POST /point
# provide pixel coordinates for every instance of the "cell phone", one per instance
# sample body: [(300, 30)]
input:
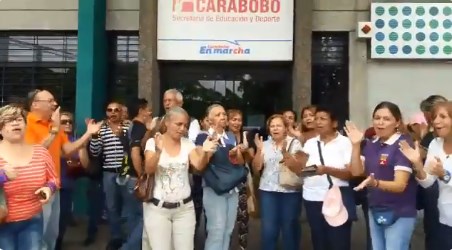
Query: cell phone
[(42, 195)]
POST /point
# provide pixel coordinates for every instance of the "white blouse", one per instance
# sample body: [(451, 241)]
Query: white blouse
[(435, 149), (171, 178)]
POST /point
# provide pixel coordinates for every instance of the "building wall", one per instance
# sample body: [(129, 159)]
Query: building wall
[(63, 14), (371, 81)]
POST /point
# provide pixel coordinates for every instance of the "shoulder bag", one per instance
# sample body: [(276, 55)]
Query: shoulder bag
[(348, 198), (287, 178), (221, 174)]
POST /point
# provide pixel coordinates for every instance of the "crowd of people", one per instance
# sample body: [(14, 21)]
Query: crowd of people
[(213, 170)]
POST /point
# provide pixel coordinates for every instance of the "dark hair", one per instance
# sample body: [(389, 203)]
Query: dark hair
[(31, 98), (392, 107), (311, 108), (135, 106), (429, 102), (293, 112), (327, 110)]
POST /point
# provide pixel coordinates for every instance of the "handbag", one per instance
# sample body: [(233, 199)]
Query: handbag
[(144, 187), (348, 199), (383, 216), (287, 178), (221, 174), (3, 206)]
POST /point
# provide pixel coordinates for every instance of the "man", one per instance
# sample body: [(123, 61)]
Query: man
[(141, 112), (111, 145), (173, 98), (43, 127)]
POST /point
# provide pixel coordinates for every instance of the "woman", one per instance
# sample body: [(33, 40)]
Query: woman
[(220, 207), (169, 219), (27, 175), (331, 153), (427, 198), (280, 207), (438, 168), (392, 192), (70, 169), (235, 125), (307, 129)]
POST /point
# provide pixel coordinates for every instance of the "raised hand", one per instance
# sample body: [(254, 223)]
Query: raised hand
[(258, 141), (435, 167), (412, 154), (158, 138), (210, 145), (93, 127), (354, 134), (55, 118), (368, 182), (245, 143)]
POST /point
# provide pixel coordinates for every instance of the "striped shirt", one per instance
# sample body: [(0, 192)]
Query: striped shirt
[(21, 200), (109, 145)]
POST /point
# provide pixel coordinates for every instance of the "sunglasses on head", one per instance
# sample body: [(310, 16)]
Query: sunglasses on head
[(113, 110), (66, 122)]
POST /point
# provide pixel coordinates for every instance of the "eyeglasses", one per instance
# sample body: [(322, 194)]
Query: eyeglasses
[(113, 110), (44, 100), (66, 122)]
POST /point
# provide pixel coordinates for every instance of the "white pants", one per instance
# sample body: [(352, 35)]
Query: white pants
[(166, 228)]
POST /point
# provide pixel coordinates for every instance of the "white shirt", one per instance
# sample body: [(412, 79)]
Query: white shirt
[(270, 176), (336, 154), (171, 178), (445, 189)]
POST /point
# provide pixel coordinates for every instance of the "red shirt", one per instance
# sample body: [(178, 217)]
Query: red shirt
[(21, 200)]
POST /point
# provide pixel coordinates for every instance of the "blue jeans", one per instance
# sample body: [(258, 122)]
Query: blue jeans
[(431, 217), (280, 212), (65, 213), (394, 237), (51, 222), (96, 201), (221, 212), (134, 216), (324, 236), (22, 235), (121, 201)]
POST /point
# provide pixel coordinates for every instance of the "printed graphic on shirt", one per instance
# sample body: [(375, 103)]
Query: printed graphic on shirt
[(384, 159), (172, 178)]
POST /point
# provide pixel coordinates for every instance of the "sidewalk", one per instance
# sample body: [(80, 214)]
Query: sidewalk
[(76, 235)]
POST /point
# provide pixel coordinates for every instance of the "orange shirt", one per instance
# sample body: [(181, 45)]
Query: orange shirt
[(21, 200), (37, 130)]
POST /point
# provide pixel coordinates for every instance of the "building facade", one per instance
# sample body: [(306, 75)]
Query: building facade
[(90, 51)]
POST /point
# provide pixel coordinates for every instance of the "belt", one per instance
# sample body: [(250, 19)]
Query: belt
[(171, 205), (111, 170)]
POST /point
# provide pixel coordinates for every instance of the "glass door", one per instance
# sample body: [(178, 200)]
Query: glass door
[(257, 89)]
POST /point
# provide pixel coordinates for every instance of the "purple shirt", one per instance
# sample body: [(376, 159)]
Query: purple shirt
[(382, 159)]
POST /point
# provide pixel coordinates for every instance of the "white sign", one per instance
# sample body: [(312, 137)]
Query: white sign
[(225, 30)]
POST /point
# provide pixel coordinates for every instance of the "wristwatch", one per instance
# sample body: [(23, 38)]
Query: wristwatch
[(446, 177), (54, 131)]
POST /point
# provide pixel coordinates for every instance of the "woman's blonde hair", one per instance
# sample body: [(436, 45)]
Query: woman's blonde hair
[(10, 113)]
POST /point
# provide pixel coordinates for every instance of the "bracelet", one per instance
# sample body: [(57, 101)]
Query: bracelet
[(54, 130), (377, 183)]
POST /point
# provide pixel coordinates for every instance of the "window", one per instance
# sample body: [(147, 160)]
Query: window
[(123, 66), (330, 71), (38, 60)]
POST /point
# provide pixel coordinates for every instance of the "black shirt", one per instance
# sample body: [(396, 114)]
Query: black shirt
[(137, 132)]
